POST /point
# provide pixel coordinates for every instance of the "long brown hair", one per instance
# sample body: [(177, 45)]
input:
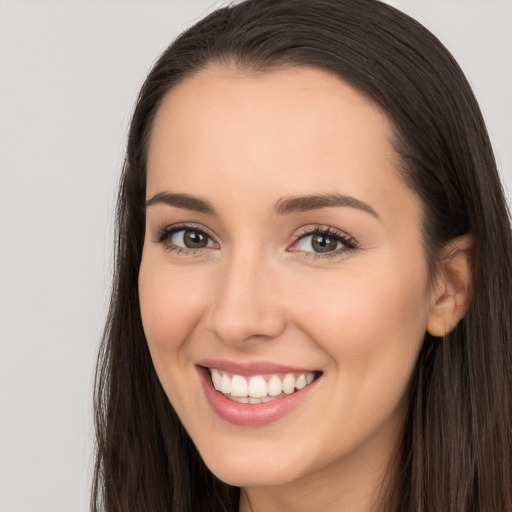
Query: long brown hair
[(456, 452)]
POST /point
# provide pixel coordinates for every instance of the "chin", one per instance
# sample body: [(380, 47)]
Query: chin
[(252, 475), (254, 462)]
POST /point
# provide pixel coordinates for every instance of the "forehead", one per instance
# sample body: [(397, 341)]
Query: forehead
[(299, 129), (304, 100)]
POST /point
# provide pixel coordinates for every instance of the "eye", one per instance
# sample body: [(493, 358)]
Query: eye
[(185, 238), (318, 243), (191, 239), (323, 241)]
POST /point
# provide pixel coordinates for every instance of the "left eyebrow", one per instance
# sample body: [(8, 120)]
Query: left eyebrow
[(185, 201), (314, 202)]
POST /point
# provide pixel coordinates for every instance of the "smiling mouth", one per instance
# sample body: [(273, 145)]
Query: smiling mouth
[(258, 389)]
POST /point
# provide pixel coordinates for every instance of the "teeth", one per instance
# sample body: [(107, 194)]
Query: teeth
[(238, 386), (289, 384), (225, 384), (258, 389), (274, 386), (217, 380), (300, 382)]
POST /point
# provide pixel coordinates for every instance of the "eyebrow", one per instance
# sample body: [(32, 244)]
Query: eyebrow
[(185, 201), (314, 202), (284, 206)]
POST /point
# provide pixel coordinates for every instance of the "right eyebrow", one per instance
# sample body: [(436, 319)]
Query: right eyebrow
[(295, 204), (185, 201)]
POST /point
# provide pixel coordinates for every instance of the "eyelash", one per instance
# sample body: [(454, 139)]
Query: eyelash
[(166, 234), (348, 243)]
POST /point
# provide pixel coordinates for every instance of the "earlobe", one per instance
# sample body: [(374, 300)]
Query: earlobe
[(452, 294)]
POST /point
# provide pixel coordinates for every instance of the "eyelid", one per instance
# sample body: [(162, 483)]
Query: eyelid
[(165, 233), (349, 243)]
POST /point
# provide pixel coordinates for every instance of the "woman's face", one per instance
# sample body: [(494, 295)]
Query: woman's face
[(283, 260)]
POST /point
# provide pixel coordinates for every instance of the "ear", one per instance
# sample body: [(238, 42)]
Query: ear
[(452, 291)]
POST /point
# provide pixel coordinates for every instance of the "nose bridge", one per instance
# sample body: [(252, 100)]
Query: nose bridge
[(245, 306)]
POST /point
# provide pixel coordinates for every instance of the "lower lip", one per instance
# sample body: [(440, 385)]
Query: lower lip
[(251, 415)]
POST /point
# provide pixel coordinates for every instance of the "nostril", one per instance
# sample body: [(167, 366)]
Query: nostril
[(256, 326)]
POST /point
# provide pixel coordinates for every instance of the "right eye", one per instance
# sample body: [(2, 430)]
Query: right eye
[(191, 239), (186, 238)]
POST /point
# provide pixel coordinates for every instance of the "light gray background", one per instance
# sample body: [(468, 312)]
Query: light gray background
[(69, 75)]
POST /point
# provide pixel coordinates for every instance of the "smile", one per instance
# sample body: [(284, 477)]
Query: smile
[(259, 388), (254, 395)]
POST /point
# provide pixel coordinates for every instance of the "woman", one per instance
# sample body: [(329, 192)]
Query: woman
[(311, 303)]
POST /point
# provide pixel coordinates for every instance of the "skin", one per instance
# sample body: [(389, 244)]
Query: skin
[(243, 141)]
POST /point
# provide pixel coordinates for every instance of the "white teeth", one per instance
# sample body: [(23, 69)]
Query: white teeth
[(258, 390), (241, 399), (300, 382), (216, 379), (225, 385), (257, 387), (238, 386), (289, 384), (274, 386)]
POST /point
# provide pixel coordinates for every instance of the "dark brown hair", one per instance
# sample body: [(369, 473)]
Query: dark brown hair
[(456, 452)]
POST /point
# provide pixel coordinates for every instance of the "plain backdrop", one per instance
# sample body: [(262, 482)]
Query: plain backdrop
[(69, 74)]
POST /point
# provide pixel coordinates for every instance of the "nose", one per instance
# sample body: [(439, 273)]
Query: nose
[(247, 307)]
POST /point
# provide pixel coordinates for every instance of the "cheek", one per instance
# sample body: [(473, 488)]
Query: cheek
[(372, 325), (170, 306), (359, 302)]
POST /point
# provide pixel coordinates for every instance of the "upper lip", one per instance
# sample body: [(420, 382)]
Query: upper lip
[(249, 368)]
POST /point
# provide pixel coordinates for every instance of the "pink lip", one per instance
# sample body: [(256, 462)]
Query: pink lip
[(251, 415), (248, 369)]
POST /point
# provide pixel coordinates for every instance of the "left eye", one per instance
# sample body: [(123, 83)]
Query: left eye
[(191, 239), (319, 243)]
